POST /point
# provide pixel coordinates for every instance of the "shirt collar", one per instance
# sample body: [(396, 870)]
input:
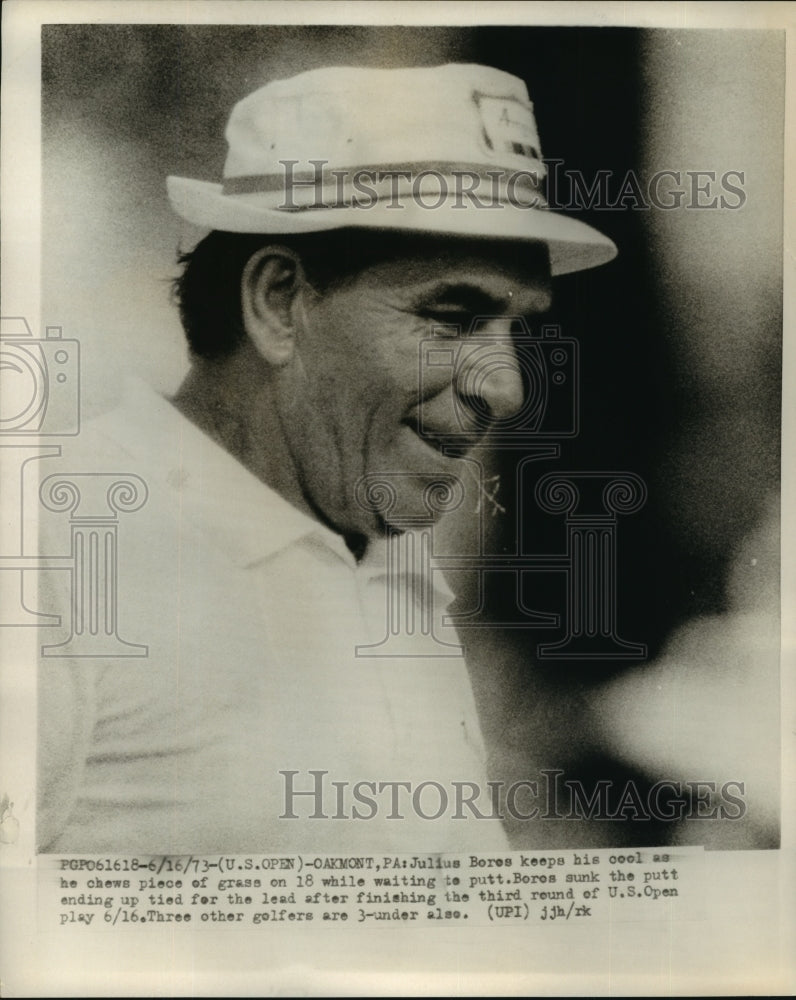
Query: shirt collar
[(243, 516)]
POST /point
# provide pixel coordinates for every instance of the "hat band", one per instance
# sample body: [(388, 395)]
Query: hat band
[(429, 183)]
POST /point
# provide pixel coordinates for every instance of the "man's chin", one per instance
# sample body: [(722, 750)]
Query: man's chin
[(423, 495)]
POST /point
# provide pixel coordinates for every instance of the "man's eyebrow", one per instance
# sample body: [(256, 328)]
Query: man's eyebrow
[(468, 296)]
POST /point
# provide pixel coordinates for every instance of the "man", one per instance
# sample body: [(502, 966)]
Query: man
[(362, 211)]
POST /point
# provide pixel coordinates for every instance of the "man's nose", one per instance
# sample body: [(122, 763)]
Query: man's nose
[(489, 377)]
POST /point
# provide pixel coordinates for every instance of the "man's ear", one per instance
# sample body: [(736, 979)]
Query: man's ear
[(271, 280)]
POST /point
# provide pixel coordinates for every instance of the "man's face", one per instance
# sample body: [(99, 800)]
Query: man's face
[(352, 401)]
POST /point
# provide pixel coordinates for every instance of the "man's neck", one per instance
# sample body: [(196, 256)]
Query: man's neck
[(231, 401)]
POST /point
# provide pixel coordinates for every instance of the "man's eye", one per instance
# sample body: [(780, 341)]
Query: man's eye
[(460, 318)]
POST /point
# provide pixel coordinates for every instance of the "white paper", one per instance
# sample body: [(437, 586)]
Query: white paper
[(101, 102)]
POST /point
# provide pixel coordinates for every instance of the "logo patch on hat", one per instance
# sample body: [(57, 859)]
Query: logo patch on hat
[(508, 126)]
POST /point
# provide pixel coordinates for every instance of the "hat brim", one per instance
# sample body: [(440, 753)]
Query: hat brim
[(573, 245)]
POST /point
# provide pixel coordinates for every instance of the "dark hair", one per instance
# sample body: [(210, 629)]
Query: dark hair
[(208, 291)]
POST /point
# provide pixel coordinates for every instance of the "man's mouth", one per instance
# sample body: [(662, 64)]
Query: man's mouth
[(450, 444)]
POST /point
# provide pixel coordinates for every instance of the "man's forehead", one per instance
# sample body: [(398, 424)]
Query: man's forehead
[(500, 270)]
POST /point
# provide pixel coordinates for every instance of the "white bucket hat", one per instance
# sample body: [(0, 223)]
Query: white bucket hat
[(447, 149)]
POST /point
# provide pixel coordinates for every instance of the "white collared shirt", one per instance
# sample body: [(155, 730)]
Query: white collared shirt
[(251, 612)]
